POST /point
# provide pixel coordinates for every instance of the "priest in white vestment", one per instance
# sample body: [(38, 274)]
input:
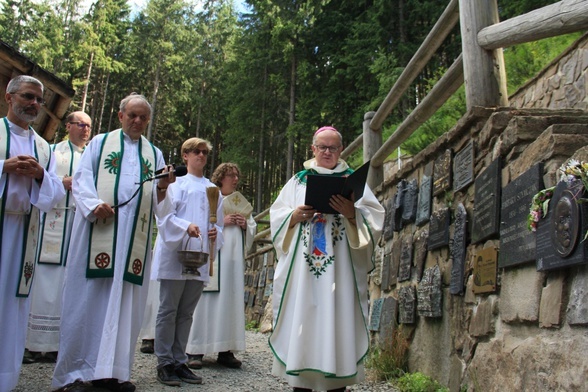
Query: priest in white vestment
[(108, 263), (320, 336), (219, 319), (28, 185), (44, 319)]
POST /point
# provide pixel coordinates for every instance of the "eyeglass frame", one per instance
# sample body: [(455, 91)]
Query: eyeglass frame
[(322, 148), (31, 97), (80, 124)]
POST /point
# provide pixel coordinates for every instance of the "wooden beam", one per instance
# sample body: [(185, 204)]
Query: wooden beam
[(564, 17), (436, 36), (484, 75), (440, 93)]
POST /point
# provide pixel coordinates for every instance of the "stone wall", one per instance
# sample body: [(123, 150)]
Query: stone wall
[(529, 331), (561, 85)]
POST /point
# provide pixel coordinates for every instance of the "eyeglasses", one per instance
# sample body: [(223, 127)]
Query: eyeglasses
[(80, 124), (332, 149), (198, 151), (31, 97)]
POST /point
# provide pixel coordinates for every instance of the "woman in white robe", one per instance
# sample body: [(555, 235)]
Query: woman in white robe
[(219, 319), (320, 335)]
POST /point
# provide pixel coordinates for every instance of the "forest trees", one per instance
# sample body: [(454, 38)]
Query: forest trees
[(256, 84)]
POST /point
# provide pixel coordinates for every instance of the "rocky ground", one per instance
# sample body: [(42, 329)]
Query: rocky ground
[(254, 376)]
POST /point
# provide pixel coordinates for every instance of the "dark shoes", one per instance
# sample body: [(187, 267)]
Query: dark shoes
[(167, 375), (186, 375), (195, 361), (228, 359), (147, 346), (76, 386), (112, 384)]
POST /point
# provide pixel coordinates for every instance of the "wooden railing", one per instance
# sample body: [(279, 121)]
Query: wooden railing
[(481, 67)]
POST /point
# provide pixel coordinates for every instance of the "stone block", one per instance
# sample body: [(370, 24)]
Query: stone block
[(577, 312), (551, 302), (521, 294), (482, 324)]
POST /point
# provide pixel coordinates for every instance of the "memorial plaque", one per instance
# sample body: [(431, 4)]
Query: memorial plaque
[(420, 253), (409, 207), (405, 260), (439, 229), (246, 296), (486, 220), (251, 302), (424, 202), (463, 167), (429, 294), (406, 305), (270, 273), (517, 243), (375, 313), (386, 262), (458, 251), (388, 219), (395, 262), (398, 203), (560, 234), (268, 290), (262, 278), (442, 173), (485, 267), (388, 320)]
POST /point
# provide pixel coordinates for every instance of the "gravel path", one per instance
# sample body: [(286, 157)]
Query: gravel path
[(254, 376)]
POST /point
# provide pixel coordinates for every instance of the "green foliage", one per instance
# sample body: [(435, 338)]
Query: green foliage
[(418, 382), (252, 326), (390, 360)]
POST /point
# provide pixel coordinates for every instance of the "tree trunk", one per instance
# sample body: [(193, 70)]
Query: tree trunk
[(87, 82), (292, 118)]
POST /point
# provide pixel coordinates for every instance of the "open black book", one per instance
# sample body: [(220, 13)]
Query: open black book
[(320, 188)]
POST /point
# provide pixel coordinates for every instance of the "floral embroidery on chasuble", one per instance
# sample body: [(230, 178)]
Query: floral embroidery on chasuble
[(103, 233)]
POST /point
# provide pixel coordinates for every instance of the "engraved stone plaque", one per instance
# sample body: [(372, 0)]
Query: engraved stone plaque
[(388, 219), (409, 207), (406, 305), (486, 220), (439, 229), (420, 253), (517, 243), (405, 260), (560, 234), (442, 173), (395, 262), (386, 262), (424, 201), (485, 267), (429, 294), (398, 204), (268, 290), (375, 313), (463, 167), (251, 302), (246, 296), (388, 319), (458, 251)]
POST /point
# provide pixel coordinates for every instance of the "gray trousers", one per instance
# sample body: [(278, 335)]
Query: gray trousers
[(177, 301)]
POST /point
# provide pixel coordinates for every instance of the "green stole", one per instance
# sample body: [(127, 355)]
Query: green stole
[(31, 227), (54, 226), (103, 232)]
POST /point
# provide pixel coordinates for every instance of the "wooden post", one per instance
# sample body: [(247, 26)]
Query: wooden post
[(484, 74), (372, 141)]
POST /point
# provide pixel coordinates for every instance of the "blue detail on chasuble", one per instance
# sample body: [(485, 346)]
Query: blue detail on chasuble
[(314, 233)]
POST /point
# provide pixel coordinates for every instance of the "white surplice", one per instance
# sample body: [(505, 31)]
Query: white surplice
[(101, 317), (320, 335), (45, 315), (218, 324), (20, 194)]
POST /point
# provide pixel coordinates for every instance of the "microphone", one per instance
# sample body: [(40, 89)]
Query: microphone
[(179, 171)]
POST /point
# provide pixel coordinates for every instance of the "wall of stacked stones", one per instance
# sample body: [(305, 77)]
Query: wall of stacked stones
[(458, 272)]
